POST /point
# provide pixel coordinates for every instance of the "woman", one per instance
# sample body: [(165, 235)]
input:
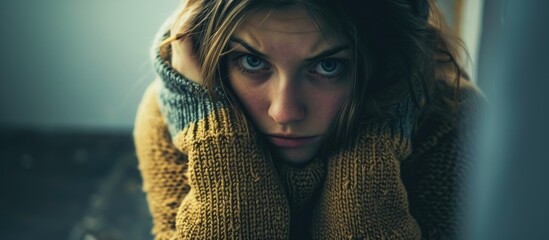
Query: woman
[(290, 119)]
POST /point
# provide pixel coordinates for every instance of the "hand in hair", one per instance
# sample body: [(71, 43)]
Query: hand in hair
[(182, 57)]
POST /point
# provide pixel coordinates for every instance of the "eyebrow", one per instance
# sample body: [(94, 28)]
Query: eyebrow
[(248, 47), (323, 54), (328, 52)]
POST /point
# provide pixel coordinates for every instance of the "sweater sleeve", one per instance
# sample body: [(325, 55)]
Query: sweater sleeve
[(363, 196), (436, 173), (234, 188), (162, 165)]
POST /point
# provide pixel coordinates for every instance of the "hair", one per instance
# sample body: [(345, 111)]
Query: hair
[(401, 48)]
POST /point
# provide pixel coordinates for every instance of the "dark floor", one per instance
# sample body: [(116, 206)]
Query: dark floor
[(74, 186)]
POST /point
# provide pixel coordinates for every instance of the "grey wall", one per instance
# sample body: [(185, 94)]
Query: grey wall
[(76, 64), (511, 192), (447, 8)]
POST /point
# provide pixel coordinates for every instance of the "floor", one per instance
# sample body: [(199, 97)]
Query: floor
[(74, 186)]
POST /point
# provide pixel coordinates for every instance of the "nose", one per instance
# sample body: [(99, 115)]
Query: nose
[(286, 103)]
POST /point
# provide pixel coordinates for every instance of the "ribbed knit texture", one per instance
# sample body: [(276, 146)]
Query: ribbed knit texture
[(233, 186), (162, 165), (436, 173), (205, 178), (363, 196), (302, 185)]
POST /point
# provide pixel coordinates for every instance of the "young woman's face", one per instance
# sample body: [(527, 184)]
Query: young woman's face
[(291, 78)]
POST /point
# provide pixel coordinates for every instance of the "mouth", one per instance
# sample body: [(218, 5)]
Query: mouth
[(288, 141)]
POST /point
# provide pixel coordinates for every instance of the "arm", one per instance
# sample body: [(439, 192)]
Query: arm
[(234, 189), (363, 196), (436, 173), (162, 165), (371, 193)]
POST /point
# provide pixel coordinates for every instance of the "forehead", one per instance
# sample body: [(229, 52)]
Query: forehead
[(291, 22)]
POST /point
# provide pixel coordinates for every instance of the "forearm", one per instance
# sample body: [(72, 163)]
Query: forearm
[(233, 184), (363, 197)]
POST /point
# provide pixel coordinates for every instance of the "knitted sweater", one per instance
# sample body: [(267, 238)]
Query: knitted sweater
[(206, 178)]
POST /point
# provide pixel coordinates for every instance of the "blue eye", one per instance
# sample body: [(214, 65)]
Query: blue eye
[(252, 63), (329, 67)]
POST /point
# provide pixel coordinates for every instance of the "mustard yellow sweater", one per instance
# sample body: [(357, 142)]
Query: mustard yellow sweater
[(205, 178)]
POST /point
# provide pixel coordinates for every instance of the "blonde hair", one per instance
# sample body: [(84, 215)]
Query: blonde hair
[(400, 48)]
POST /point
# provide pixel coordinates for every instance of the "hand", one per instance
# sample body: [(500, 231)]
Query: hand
[(183, 60)]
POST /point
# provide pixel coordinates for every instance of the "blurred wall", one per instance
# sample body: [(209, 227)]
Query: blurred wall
[(76, 64), (470, 32), (511, 195)]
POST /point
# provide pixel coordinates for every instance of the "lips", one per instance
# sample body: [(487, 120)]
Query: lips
[(290, 142)]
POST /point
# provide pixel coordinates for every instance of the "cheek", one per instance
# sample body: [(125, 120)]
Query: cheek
[(328, 104), (252, 98)]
